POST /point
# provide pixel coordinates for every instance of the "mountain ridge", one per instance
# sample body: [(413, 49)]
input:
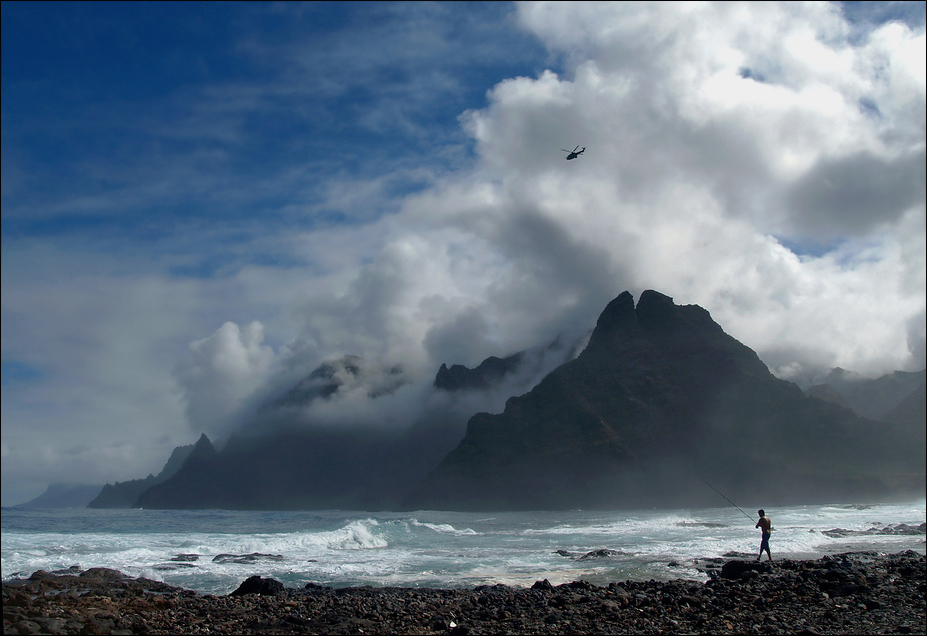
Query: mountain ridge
[(659, 401), (660, 395), (59, 495), (125, 494)]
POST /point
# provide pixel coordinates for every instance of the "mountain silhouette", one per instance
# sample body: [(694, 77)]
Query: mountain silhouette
[(125, 494), (661, 408), (661, 403)]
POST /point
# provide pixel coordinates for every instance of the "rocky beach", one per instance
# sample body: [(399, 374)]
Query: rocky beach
[(852, 593)]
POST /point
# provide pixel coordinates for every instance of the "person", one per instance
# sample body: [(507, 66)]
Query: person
[(766, 526)]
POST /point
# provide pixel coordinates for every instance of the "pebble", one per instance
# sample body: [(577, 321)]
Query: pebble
[(843, 594)]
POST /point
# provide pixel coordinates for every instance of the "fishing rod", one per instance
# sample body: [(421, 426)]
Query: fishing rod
[(728, 500)]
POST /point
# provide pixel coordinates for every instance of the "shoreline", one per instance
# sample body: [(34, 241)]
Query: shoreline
[(853, 593)]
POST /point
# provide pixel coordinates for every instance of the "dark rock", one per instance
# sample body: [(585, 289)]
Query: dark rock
[(737, 569), (106, 574), (872, 604), (784, 600), (258, 585), (254, 557), (601, 553)]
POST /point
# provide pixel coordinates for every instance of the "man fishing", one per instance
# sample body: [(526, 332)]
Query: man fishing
[(765, 526)]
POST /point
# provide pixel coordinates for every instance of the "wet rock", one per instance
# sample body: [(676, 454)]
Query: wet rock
[(247, 559), (260, 586), (789, 598), (737, 569), (600, 554)]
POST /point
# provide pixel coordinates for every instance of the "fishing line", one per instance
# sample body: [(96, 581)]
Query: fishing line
[(728, 500)]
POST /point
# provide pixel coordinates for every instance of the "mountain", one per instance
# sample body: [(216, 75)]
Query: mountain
[(282, 459), (124, 494), (910, 414), (659, 409), (355, 467), (279, 460), (660, 404), (869, 398), (827, 393), (489, 373), (64, 496), (515, 373), (348, 372)]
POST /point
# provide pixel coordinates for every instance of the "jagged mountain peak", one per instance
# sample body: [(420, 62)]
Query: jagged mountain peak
[(659, 394), (654, 314), (202, 448), (341, 375), (515, 373)]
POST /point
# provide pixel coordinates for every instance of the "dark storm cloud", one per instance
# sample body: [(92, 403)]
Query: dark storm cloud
[(853, 195)]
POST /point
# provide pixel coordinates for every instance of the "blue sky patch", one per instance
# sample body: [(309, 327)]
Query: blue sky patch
[(13, 372)]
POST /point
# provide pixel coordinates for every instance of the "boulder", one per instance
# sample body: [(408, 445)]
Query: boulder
[(258, 585), (736, 569)]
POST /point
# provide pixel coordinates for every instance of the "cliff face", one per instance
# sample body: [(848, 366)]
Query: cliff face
[(661, 400)]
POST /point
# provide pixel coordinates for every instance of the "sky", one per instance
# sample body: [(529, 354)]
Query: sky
[(201, 202)]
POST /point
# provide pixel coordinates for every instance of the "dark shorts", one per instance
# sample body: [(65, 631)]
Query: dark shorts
[(764, 544)]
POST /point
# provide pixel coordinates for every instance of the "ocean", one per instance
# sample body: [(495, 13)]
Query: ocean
[(213, 551)]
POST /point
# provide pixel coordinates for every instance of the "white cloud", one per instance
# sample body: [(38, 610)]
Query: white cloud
[(716, 134), (221, 373), (718, 137)]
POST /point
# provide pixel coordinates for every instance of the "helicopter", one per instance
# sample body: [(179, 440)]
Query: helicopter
[(573, 154)]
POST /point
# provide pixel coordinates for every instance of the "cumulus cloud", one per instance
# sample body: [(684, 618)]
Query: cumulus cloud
[(722, 139), (763, 160), (221, 373)]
